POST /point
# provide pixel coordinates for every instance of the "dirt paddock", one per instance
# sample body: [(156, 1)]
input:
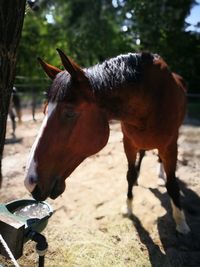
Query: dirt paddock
[(88, 229)]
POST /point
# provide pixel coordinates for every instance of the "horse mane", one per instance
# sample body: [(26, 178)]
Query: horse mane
[(115, 72), (104, 77)]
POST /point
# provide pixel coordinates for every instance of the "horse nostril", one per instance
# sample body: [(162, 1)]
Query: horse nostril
[(30, 182), (33, 180)]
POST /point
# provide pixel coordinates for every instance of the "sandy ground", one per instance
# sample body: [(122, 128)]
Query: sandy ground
[(96, 192)]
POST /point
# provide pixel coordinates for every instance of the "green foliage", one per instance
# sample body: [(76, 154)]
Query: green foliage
[(90, 31), (39, 38), (155, 20), (161, 28)]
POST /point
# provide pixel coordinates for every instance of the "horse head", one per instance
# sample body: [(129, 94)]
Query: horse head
[(74, 128)]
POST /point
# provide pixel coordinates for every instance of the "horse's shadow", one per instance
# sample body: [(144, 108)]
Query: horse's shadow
[(179, 250), (156, 256)]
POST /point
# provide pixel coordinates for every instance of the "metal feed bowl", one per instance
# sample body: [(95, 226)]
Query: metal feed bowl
[(16, 229)]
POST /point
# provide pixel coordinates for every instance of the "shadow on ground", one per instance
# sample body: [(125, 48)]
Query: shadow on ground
[(179, 250)]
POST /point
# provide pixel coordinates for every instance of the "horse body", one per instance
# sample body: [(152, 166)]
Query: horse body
[(136, 89), (14, 109), (156, 119)]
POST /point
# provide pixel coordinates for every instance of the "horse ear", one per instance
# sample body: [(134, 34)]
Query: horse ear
[(70, 66), (50, 70)]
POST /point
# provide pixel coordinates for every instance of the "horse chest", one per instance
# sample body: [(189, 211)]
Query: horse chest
[(144, 137)]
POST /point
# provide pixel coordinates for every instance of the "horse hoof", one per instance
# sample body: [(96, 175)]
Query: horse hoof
[(126, 212)]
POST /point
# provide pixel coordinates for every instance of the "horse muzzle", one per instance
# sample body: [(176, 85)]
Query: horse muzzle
[(41, 195)]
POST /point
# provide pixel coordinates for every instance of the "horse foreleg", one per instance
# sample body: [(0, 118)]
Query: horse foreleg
[(12, 118), (169, 159), (132, 173), (131, 176), (19, 114), (161, 172)]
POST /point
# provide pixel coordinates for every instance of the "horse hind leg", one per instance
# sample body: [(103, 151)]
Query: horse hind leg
[(19, 114), (132, 180), (169, 159), (12, 118), (17, 106)]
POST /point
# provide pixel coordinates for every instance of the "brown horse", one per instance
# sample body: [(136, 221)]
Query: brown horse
[(15, 109), (138, 90)]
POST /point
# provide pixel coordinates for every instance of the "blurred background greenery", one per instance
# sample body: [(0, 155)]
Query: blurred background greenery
[(90, 31)]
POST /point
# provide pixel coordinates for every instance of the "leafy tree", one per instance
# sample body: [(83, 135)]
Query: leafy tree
[(88, 30), (39, 39), (160, 25), (157, 21), (91, 30)]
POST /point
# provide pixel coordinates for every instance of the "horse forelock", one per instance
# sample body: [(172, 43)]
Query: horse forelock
[(61, 87)]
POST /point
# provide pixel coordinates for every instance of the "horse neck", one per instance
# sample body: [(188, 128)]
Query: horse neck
[(132, 106), (118, 104)]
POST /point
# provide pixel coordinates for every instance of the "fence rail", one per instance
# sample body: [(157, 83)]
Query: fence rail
[(193, 95)]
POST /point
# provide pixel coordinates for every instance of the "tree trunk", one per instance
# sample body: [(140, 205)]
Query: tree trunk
[(11, 22)]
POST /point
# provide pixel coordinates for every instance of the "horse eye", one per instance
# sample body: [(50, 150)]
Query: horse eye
[(70, 114)]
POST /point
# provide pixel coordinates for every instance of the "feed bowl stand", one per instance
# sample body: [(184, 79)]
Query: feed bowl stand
[(16, 229)]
